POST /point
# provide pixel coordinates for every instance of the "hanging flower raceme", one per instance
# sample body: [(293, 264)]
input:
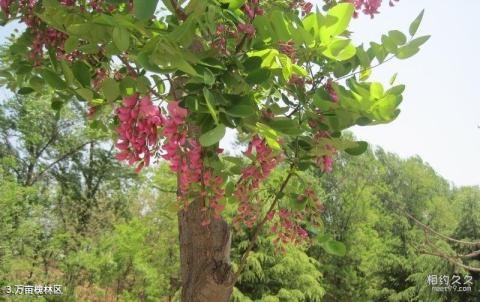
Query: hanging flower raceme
[(331, 91), (265, 160), (139, 123), (287, 228), (288, 48), (185, 156), (325, 162), (213, 193)]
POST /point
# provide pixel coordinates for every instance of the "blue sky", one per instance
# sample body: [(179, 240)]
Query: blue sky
[(441, 108)]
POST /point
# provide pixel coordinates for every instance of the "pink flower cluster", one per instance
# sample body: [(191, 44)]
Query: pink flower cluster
[(247, 29), (288, 48), (252, 9), (185, 157), (184, 154), (264, 162), (331, 91), (223, 32), (304, 6), (287, 228), (5, 7), (43, 36), (369, 7), (139, 122), (213, 192), (325, 162)]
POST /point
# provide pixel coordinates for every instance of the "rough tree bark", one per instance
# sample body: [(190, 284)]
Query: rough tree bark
[(204, 257)]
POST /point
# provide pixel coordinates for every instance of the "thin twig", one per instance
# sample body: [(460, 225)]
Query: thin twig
[(453, 261), (178, 10), (73, 151), (370, 67), (477, 243), (131, 69)]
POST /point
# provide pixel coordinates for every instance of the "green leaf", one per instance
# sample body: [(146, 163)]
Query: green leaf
[(213, 136), (340, 50), (323, 238), (397, 90), (360, 149), (416, 23), (57, 104), (67, 72), (334, 247), (270, 135), (279, 25), (418, 41), (363, 121), (340, 15), (110, 89), (53, 79), (376, 90), (388, 43), (286, 126), (210, 101), (143, 84), (71, 44), (258, 76), (393, 78), (81, 71), (128, 86), (25, 90), (159, 83), (121, 38), (85, 94), (235, 4), (296, 204), (406, 51), (208, 77), (241, 110), (397, 37), (144, 9)]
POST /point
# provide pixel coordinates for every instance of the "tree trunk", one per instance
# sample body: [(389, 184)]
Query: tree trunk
[(204, 256)]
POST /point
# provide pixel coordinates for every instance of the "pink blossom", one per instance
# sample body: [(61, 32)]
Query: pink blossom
[(139, 121), (331, 91), (248, 29), (264, 161)]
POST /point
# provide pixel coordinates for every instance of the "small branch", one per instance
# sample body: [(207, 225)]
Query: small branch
[(357, 72), (240, 44), (132, 70), (178, 10), (73, 151), (472, 255), (164, 190), (172, 87), (452, 261), (258, 229), (426, 227)]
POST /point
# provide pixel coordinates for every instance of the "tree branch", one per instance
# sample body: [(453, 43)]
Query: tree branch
[(426, 227), (259, 227), (71, 152), (452, 261), (178, 10)]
